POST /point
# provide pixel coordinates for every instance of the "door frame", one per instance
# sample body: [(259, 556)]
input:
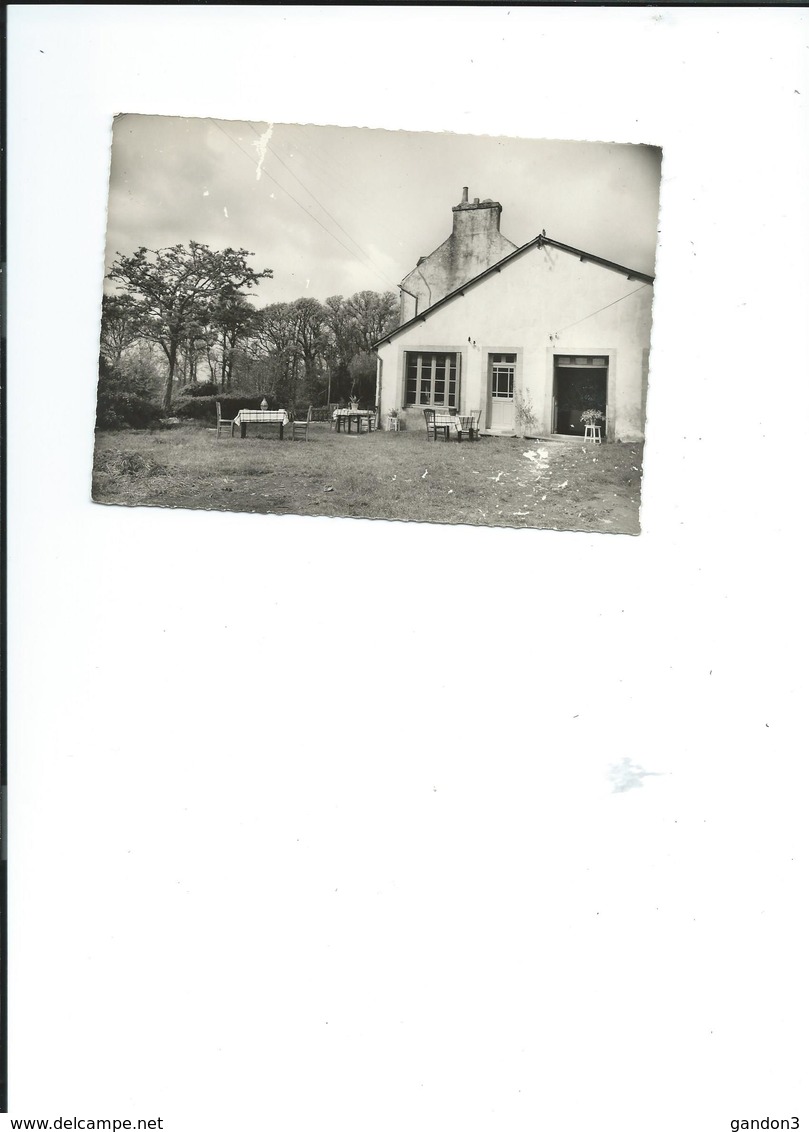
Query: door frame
[(487, 352), (554, 352)]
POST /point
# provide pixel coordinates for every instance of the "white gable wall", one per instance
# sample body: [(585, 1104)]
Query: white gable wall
[(544, 303)]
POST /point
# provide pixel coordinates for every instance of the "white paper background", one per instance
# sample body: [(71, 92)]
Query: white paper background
[(280, 865)]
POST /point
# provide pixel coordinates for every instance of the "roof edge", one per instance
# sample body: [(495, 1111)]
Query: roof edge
[(537, 242)]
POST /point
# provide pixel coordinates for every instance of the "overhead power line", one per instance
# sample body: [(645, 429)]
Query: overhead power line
[(600, 309), (293, 198), (321, 206), (336, 172)]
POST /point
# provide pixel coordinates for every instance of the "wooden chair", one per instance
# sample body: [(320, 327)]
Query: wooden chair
[(432, 428), (221, 422), (474, 427), (300, 429)]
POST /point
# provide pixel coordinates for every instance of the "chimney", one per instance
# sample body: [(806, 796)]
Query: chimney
[(476, 219)]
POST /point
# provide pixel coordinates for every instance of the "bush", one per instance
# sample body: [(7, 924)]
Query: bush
[(200, 389), (125, 400), (204, 408)]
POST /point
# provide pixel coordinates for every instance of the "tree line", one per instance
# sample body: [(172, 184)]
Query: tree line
[(182, 316)]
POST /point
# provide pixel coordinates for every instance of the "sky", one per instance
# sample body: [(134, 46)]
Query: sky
[(334, 210)]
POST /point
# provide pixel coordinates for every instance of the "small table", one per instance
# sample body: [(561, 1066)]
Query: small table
[(346, 416), (445, 421), (244, 417)]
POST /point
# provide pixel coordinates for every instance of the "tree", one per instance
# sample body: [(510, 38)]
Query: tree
[(176, 288), (120, 326), (355, 325), (373, 313), (310, 336), (274, 339), (234, 317)]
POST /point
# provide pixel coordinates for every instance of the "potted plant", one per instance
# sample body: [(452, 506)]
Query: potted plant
[(592, 417)]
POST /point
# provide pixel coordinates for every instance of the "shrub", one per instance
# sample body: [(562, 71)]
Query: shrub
[(199, 389), (204, 408), (125, 399)]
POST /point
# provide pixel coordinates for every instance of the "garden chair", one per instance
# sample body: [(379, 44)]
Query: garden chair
[(300, 429), (470, 425), (221, 422), (432, 428)]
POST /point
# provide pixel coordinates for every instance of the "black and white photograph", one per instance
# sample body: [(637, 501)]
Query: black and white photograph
[(467, 815), (458, 327)]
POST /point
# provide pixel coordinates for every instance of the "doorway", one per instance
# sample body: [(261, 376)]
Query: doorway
[(502, 368), (579, 383)]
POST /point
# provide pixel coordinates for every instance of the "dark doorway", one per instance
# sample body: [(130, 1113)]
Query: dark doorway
[(579, 383)]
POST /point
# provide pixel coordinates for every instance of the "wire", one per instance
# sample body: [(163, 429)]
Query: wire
[(323, 207), (332, 175), (296, 201), (600, 309)]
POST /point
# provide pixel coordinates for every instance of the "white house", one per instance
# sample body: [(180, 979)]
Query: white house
[(532, 336)]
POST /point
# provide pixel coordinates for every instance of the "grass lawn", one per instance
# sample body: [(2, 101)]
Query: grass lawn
[(566, 485)]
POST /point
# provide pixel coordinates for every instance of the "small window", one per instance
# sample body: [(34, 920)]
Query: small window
[(503, 368)]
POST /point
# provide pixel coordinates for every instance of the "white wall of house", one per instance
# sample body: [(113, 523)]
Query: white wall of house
[(544, 303)]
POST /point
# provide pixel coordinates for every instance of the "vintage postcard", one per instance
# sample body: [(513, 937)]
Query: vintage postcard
[(320, 320)]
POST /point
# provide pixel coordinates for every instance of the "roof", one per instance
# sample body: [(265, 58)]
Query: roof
[(496, 268)]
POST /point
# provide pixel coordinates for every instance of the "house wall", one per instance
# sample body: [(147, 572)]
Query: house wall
[(544, 303), (475, 244)]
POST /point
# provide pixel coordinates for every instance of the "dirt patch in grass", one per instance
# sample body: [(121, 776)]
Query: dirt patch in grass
[(497, 481)]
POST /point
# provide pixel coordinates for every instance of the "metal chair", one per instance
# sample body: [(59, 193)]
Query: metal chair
[(432, 428), (221, 422), (300, 429)]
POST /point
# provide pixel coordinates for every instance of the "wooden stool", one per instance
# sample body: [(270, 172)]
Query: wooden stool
[(393, 424), (592, 432)]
